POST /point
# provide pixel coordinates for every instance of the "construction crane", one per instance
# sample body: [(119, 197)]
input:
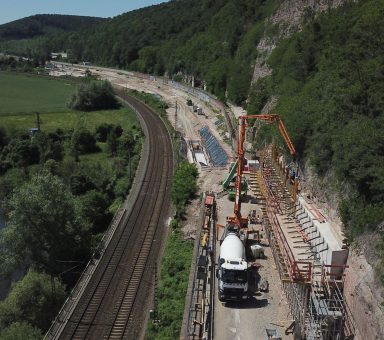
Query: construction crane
[(238, 220)]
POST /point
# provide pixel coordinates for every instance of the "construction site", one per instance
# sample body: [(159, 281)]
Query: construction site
[(268, 262), (264, 209)]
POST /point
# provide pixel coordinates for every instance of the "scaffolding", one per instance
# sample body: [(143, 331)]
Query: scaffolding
[(314, 289)]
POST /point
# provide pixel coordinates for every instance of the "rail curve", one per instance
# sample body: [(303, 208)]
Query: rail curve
[(115, 303)]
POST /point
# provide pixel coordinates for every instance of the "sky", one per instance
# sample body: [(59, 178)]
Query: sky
[(17, 9)]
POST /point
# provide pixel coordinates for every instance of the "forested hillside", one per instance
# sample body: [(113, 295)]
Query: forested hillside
[(330, 83), (42, 24), (211, 40)]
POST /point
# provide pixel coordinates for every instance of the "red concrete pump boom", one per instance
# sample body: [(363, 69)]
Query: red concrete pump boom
[(237, 219)]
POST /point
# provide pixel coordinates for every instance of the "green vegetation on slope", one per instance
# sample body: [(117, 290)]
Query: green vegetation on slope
[(184, 187), (330, 83), (42, 24), (172, 288)]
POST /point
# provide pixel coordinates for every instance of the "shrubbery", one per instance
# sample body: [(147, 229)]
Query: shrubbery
[(83, 142), (176, 262), (184, 187), (20, 331), (57, 199), (94, 95), (172, 288), (33, 300)]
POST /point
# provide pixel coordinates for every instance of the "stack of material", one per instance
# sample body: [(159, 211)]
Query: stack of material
[(217, 154)]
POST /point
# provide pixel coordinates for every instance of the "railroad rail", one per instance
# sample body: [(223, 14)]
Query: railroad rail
[(114, 304)]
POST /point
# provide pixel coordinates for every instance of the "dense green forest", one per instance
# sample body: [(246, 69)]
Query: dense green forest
[(31, 36)]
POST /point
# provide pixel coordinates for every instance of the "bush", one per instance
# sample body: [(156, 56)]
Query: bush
[(83, 142), (94, 95), (184, 186), (20, 331), (33, 299), (103, 130)]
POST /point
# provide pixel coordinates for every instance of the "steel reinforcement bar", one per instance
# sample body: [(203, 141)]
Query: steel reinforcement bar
[(298, 271)]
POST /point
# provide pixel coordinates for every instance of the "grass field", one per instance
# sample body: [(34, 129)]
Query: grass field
[(66, 120), (22, 95)]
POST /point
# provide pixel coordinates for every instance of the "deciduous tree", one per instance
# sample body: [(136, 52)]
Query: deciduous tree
[(35, 299)]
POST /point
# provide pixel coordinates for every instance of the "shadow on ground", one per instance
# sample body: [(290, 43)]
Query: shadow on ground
[(252, 302)]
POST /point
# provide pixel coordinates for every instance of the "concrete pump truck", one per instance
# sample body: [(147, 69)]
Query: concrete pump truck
[(232, 272)]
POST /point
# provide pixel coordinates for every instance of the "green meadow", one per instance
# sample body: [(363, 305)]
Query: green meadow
[(22, 95)]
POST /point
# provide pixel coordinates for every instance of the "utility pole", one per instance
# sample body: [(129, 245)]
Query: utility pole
[(130, 166), (38, 121), (176, 121)]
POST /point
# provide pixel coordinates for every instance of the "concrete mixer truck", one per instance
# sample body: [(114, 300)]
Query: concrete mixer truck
[(232, 272)]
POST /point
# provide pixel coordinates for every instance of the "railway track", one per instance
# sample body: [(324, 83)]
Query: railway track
[(115, 303)]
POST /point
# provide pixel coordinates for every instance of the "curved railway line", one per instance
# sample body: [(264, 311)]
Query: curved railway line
[(115, 303)]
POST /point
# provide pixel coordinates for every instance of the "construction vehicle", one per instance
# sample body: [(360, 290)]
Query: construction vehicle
[(232, 272), (228, 185), (237, 220)]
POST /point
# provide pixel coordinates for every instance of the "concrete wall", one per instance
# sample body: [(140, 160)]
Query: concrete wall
[(319, 233)]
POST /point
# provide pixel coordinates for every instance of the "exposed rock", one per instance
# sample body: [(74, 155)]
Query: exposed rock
[(264, 49), (363, 294), (289, 17), (293, 13), (364, 298), (269, 107), (327, 200)]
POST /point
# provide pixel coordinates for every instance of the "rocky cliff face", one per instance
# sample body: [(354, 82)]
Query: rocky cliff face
[(293, 13), (289, 18)]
